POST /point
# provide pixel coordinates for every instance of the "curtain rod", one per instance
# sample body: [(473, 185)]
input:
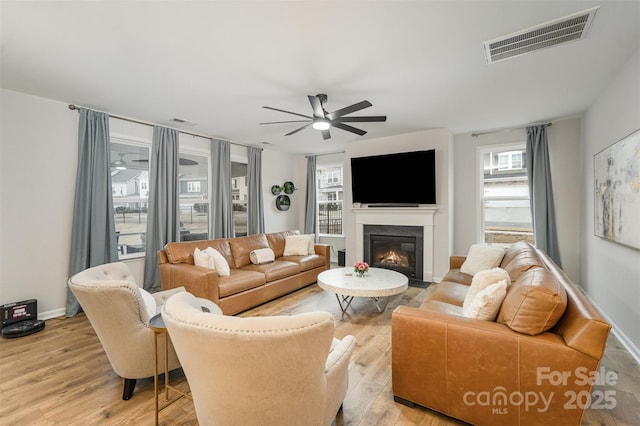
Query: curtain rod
[(475, 135), (327, 153), (145, 123)]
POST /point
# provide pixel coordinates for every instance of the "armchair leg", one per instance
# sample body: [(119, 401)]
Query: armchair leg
[(129, 385)]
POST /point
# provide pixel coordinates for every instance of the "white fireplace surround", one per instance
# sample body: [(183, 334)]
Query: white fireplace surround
[(406, 216)]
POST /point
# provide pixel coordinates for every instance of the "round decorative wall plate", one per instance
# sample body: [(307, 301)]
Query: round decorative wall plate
[(288, 187), (283, 202), (276, 189)]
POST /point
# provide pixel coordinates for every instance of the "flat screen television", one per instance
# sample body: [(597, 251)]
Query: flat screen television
[(407, 178)]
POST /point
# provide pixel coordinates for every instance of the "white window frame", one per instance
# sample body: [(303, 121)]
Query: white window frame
[(340, 200), (480, 198)]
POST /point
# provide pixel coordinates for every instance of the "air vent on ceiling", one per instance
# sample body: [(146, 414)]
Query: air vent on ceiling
[(559, 31), (183, 121)]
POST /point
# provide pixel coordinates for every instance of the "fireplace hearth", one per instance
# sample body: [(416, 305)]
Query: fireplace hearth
[(395, 247)]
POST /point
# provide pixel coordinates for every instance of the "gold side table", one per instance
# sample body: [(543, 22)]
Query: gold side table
[(157, 325)]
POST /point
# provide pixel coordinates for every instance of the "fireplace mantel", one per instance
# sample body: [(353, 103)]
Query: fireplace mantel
[(410, 216)]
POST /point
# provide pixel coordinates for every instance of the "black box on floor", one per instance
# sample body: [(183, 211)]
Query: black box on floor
[(341, 254)]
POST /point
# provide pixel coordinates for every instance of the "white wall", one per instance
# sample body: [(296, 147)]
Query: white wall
[(564, 153), (38, 159), (439, 139), (611, 272), (38, 139)]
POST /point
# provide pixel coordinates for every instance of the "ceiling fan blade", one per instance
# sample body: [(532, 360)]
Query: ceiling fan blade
[(298, 129), (348, 128), (365, 119), (348, 110), (281, 122), (316, 105), (326, 135), (288, 112)]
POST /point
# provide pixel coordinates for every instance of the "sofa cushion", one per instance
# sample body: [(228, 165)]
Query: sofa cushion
[(274, 270), (534, 302), (485, 304), (238, 281), (519, 258), (308, 262), (182, 252), (481, 257), (484, 279), (454, 275), (277, 239), (241, 247), (447, 292), (296, 245)]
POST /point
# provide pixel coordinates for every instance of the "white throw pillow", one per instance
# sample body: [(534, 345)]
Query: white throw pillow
[(296, 245), (486, 304), (203, 258), (220, 262), (312, 244), (484, 279), (481, 257), (149, 302), (260, 256)]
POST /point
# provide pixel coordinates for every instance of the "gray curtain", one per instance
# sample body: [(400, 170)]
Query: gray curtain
[(311, 205), (163, 213), (255, 207), (93, 232), (221, 225), (541, 192)]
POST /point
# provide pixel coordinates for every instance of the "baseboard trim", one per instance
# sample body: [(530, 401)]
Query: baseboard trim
[(626, 342), (51, 314)]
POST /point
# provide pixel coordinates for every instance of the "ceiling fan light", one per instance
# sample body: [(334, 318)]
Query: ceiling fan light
[(121, 168), (321, 124)]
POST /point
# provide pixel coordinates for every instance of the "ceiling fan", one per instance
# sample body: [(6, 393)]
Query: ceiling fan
[(120, 164), (181, 161), (323, 120)]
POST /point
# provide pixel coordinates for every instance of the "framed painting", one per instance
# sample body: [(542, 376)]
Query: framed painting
[(617, 191)]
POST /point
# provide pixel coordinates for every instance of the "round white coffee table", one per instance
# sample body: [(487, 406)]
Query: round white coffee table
[(377, 284)]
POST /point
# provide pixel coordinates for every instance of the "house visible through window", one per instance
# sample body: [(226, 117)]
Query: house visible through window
[(330, 197), (194, 196), (239, 196), (504, 200), (129, 188)]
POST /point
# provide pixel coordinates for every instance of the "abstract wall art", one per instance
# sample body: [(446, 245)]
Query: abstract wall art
[(617, 191)]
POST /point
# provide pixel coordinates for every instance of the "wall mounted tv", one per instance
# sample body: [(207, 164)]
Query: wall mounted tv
[(407, 178)]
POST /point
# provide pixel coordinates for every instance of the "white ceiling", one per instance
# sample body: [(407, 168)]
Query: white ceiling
[(421, 63)]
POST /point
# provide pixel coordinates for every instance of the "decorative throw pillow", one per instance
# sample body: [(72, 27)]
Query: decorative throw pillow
[(484, 279), (481, 257), (220, 262), (260, 256), (149, 302), (486, 303), (312, 243), (296, 245), (203, 258)]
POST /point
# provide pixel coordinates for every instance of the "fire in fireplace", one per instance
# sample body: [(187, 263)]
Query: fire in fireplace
[(395, 247)]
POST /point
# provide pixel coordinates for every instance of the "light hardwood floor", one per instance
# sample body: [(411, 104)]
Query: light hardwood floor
[(61, 376)]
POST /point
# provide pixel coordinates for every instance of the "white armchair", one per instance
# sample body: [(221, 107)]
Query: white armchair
[(115, 307), (281, 370)]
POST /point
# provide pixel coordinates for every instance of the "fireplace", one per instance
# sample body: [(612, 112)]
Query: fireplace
[(395, 247)]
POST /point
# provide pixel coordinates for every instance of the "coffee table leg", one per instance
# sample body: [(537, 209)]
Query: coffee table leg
[(344, 303), (386, 302)]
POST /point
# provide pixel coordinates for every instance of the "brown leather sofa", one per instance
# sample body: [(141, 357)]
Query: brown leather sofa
[(507, 372), (248, 285)]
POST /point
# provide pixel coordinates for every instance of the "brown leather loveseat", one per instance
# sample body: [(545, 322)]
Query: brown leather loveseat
[(248, 284), (534, 365)]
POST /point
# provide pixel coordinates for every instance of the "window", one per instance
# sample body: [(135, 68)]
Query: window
[(193, 174), (239, 195), (330, 203), (129, 187), (504, 201)]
